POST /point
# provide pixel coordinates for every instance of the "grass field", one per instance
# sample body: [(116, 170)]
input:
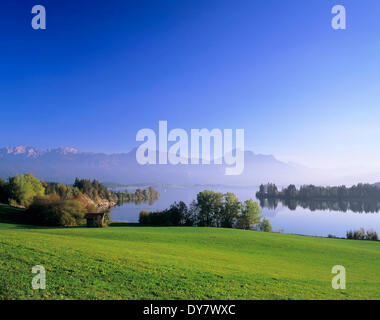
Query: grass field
[(132, 262)]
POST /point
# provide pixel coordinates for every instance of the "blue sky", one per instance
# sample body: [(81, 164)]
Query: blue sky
[(102, 70)]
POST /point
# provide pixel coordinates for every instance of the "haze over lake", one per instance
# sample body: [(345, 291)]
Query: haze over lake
[(299, 221)]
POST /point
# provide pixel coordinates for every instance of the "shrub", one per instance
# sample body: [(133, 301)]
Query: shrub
[(144, 217), (49, 212), (107, 219), (362, 235), (176, 215), (265, 226), (372, 235)]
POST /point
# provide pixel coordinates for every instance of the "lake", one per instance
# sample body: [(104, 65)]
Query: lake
[(296, 219)]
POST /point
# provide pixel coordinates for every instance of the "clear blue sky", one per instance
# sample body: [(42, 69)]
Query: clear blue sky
[(105, 69)]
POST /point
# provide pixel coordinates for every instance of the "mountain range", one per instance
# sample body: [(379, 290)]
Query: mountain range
[(64, 164)]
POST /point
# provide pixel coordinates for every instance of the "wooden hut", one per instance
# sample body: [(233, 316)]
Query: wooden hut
[(95, 219)]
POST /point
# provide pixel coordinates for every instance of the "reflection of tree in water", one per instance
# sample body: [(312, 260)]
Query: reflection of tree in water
[(358, 206), (138, 202), (269, 207), (269, 203)]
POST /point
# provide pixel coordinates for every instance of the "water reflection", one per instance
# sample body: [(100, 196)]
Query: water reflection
[(149, 202), (357, 206)]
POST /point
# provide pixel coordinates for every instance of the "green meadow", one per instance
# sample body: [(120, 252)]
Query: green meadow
[(126, 261)]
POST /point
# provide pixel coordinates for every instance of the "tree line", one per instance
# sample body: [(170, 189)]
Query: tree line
[(140, 195), (210, 209), (50, 203), (96, 190), (310, 192)]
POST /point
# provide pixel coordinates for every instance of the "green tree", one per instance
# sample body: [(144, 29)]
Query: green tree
[(177, 213), (192, 214), (22, 189), (265, 226), (210, 206), (231, 209), (291, 191), (249, 216)]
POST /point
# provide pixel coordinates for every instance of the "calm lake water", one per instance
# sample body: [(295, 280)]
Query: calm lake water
[(299, 221)]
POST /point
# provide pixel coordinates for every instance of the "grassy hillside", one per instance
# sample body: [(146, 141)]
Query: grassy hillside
[(132, 262)]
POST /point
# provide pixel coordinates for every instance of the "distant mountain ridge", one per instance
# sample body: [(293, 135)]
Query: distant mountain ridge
[(35, 152), (64, 164)]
